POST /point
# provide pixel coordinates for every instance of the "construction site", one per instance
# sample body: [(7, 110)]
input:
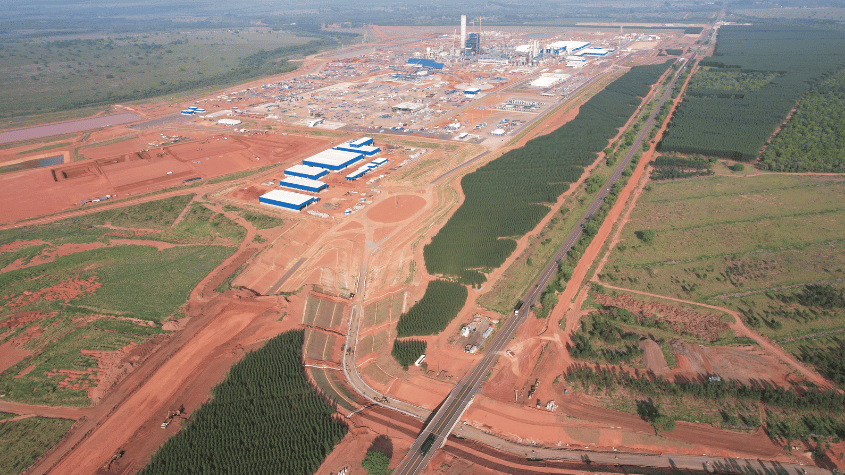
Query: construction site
[(358, 156)]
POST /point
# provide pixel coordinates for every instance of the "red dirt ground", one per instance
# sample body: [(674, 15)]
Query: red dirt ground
[(396, 208), (66, 290), (129, 173)]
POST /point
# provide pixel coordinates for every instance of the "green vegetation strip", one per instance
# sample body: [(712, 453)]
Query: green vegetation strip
[(406, 352), (808, 414), (263, 418), (741, 94), (431, 315), (23, 442), (508, 197), (45, 148)]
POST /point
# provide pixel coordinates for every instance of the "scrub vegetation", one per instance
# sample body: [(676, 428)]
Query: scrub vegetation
[(49, 74)]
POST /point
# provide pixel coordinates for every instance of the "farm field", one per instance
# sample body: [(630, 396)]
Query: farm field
[(743, 243), (814, 139), (44, 75), (508, 196), (82, 296), (740, 95), (265, 414)]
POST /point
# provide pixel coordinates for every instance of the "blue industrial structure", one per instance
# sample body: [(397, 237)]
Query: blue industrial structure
[(362, 145), (425, 63), (473, 43), (364, 169), (287, 199), (304, 184)]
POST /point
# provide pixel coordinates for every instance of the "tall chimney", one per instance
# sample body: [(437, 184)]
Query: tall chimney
[(463, 32)]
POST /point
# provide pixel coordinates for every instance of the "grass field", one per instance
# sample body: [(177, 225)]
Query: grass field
[(735, 242), (80, 293), (23, 441), (385, 310), (332, 387), (322, 312)]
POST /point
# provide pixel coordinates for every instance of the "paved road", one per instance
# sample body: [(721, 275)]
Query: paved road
[(441, 425), (71, 126), (278, 285)]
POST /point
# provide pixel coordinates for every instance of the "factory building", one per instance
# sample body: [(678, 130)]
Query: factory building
[(425, 63), (229, 122), (363, 170), (408, 107), (333, 159), (594, 52), (472, 91), (287, 199), (304, 171), (362, 145), (473, 43), (304, 184)]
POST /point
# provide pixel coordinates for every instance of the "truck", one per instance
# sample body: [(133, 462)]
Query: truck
[(516, 309), (426, 445)]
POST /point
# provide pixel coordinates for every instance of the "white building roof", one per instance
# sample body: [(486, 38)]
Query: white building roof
[(548, 79), (296, 199), (569, 45), (334, 158), (304, 169)]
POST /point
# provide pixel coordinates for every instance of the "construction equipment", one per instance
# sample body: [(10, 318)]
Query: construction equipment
[(113, 459), (170, 416)]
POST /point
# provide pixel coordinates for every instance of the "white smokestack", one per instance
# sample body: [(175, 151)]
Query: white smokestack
[(463, 32)]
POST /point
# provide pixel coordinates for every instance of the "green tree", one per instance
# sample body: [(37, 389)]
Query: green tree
[(646, 235), (375, 463)]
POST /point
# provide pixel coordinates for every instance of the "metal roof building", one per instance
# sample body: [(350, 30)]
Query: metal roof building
[(358, 173), (287, 199), (594, 52), (425, 63), (472, 91), (364, 169), (333, 159), (305, 171), (409, 107), (304, 184), (365, 149)]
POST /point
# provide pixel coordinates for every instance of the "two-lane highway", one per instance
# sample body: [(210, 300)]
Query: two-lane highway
[(434, 434)]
